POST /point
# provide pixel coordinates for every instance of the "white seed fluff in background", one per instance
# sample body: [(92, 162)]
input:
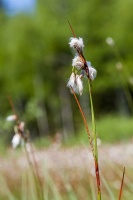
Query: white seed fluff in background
[(16, 140), (77, 62), (11, 118), (21, 126), (110, 41), (76, 83), (92, 71), (76, 43)]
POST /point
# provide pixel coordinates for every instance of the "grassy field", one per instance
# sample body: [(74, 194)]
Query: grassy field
[(62, 171), (110, 129), (67, 173)]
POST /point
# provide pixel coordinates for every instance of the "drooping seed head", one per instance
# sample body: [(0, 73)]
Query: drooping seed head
[(11, 118), (16, 140), (92, 71), (75, 82)]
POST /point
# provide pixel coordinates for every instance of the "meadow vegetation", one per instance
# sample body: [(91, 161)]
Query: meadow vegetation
[(35, 66)]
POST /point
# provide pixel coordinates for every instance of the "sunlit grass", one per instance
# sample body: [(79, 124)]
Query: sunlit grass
[(110, 129), (115, 128), (65, 182)]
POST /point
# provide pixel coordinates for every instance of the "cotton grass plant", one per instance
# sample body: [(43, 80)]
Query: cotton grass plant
[(22, 136), (83, 69)]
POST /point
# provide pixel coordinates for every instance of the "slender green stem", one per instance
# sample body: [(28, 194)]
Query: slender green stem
[(95, 144), (93, 123)]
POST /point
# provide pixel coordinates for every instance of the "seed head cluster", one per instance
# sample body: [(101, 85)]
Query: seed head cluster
[(80, 67)]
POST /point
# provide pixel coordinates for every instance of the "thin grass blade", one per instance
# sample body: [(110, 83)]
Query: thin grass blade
[(121, 188)]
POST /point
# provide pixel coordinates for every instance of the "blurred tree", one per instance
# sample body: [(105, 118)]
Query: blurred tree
[(35, 59)]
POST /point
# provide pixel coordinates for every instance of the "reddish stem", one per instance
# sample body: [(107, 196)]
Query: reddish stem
[(12, 107), (85, 122), (122, 181), (97, 176), (72, 29)]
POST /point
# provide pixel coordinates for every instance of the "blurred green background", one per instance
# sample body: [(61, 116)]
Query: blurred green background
[(35, 64)]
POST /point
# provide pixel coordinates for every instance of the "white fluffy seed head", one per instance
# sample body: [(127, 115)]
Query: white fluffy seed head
[(77, 62), (75, 81), (79, 84), (76, 43), (11, 118), (16, 140), (71, 81), (92, 71)]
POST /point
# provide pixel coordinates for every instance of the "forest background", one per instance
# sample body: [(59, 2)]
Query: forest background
[(35, 65)]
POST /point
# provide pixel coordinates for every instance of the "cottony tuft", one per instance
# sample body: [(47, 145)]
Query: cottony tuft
[(76, 83), (76, 43)]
